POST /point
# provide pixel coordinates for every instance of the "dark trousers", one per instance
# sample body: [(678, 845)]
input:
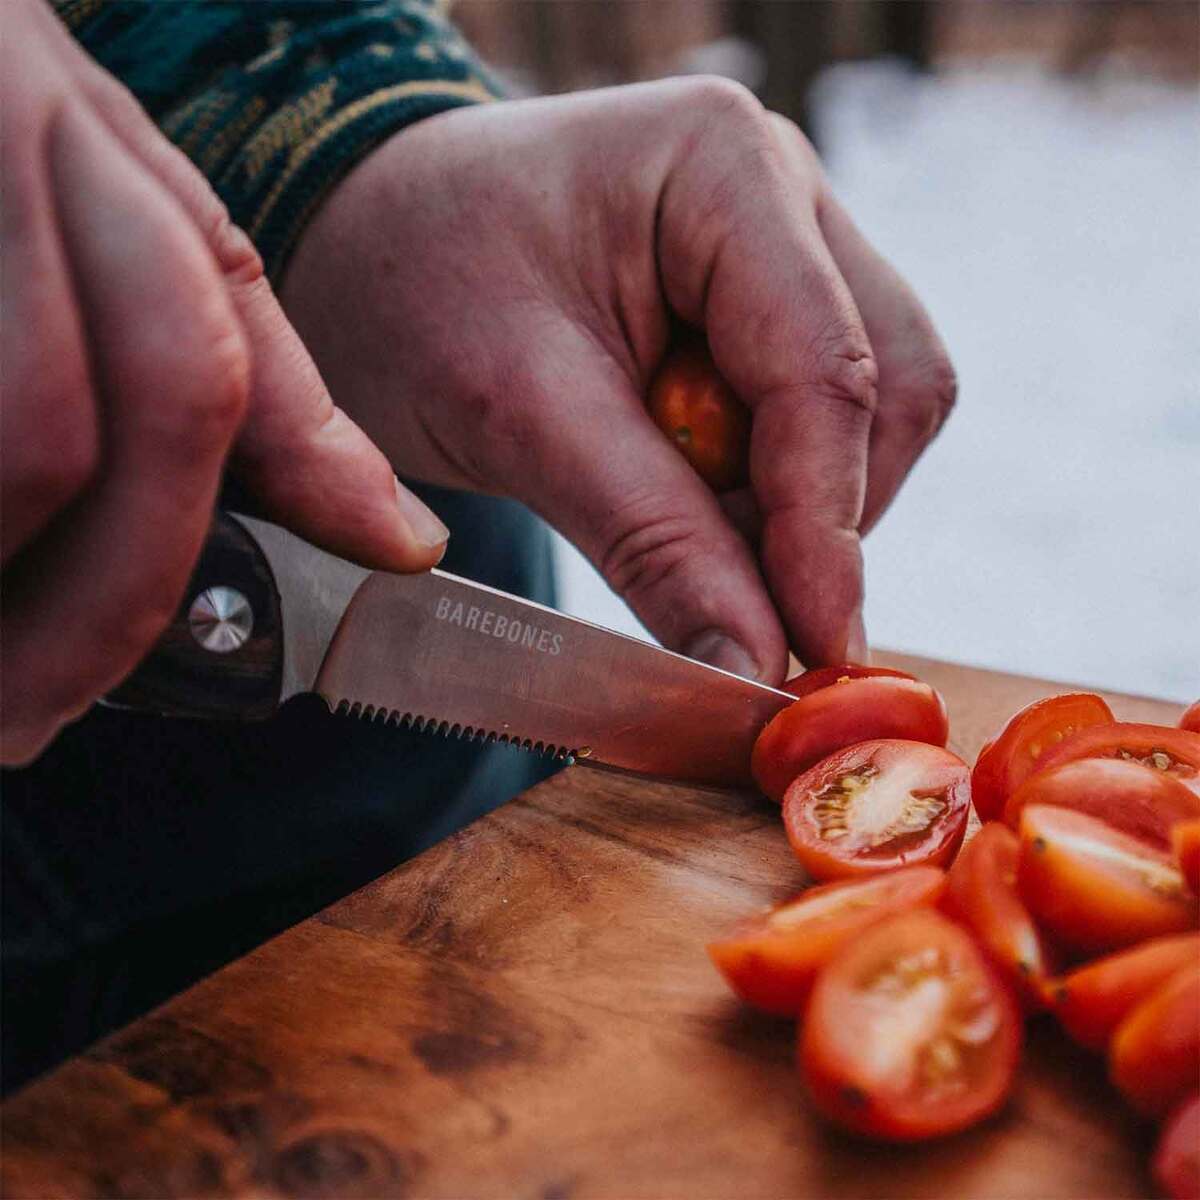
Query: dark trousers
[(140, 854)]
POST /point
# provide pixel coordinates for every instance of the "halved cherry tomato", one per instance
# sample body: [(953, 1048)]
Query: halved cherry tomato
[(1185, 842), (1173, 751), (697, 410), (834, 717), (1176, 1163), (771, 959), (1191, 718), (819, 677), (1093, 888), (1155, 1055), (1093, 1000), (909, 1034), (1136, 799), (981, 893), (1009, 757), (876, 806)]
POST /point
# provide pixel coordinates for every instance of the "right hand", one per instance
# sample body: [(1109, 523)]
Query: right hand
[(142, 347)]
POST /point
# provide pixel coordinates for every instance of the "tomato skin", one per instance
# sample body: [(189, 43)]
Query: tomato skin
[(773, 967), (832, 718), (697, 410), (981, 893), (1094, 889), (1091, 1001), (863, 1076), (1006, 760), (1127, 795), (1154, 1059), (918, 769), (1191, 718), (1185, 843), (1176, 1162), (820, 677), (1121, 740)]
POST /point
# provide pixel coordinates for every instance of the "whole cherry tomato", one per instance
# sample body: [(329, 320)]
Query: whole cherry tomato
[(771, 959), (697, 410)]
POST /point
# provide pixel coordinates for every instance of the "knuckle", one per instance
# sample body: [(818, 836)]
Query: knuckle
[(847, 373), (926, 403), (208, 409), (237, 257), (717, 97), (649, 546)]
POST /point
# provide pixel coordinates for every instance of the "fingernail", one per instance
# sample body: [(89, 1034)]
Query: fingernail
[(857, 650), (426, 528), (720, 650)]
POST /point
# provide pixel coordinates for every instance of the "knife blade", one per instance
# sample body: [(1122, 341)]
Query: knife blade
[(435, 651)]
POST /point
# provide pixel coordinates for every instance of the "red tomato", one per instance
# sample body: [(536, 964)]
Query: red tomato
[(835, 717), (697, 410), (877, 806), (1138, 800), (1173, 751), (1093, 888), (981, 893), (1093, 1000), (1154, 1058), (1176, 1163), (771, 959), (1191, 718), (1185, 842), (909, 1034), (819, 677), (1009, 757)]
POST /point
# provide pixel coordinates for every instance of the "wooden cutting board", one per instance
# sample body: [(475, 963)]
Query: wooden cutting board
[(527, 1010)]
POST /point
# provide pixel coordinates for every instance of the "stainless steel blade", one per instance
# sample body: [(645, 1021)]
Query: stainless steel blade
[(438, 650)]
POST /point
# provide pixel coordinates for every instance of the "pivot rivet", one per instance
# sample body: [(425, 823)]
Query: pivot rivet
[(221, 619)]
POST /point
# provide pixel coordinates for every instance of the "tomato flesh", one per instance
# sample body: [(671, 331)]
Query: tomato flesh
[(832, 718), (1010, 756), (694, 406), (981, 893), (1191, 718), (1176, 1164), (1185, 843), (820, 677), (909, 1035), (1173, 751), (772, 959), (1154, 1059), (1093, 888), (1093, 1000), (1129, 796), (876, 806)]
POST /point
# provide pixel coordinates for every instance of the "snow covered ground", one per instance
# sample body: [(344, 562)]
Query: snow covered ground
[(1053, 229)]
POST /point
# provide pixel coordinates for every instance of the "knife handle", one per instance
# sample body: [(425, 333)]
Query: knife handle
[(222, 654)]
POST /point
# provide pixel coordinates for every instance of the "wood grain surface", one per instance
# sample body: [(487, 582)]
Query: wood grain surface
[(527, 1010)]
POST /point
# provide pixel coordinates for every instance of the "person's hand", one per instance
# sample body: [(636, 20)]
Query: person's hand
[(141, 345), (490, 290)]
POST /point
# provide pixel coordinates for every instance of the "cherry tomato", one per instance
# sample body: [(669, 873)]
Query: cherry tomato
[(834, 717), (1009, 757), (909, 1034), (1093, 888), (1176, 1163), (981, 893), (1127, 795), (876, 806), (1191, 718), (1185, 842), (819, 677), (1173, 751), (1093, 1000), (697, 410), (772, 959), (1154, 1059)]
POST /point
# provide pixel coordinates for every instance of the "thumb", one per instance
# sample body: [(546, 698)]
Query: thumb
[(312, 468)]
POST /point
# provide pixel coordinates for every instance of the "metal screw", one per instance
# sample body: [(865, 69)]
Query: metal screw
[(221, 619)]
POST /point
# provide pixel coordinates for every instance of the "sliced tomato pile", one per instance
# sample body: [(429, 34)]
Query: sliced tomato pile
[(1080, 895)]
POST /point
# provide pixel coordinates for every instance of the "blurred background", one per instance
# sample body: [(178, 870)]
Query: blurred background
[(1034, 170)]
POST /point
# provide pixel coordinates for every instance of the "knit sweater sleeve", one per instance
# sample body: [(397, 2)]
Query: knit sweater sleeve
[(275, 100)]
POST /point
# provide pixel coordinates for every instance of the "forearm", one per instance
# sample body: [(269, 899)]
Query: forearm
[(276, 100)]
